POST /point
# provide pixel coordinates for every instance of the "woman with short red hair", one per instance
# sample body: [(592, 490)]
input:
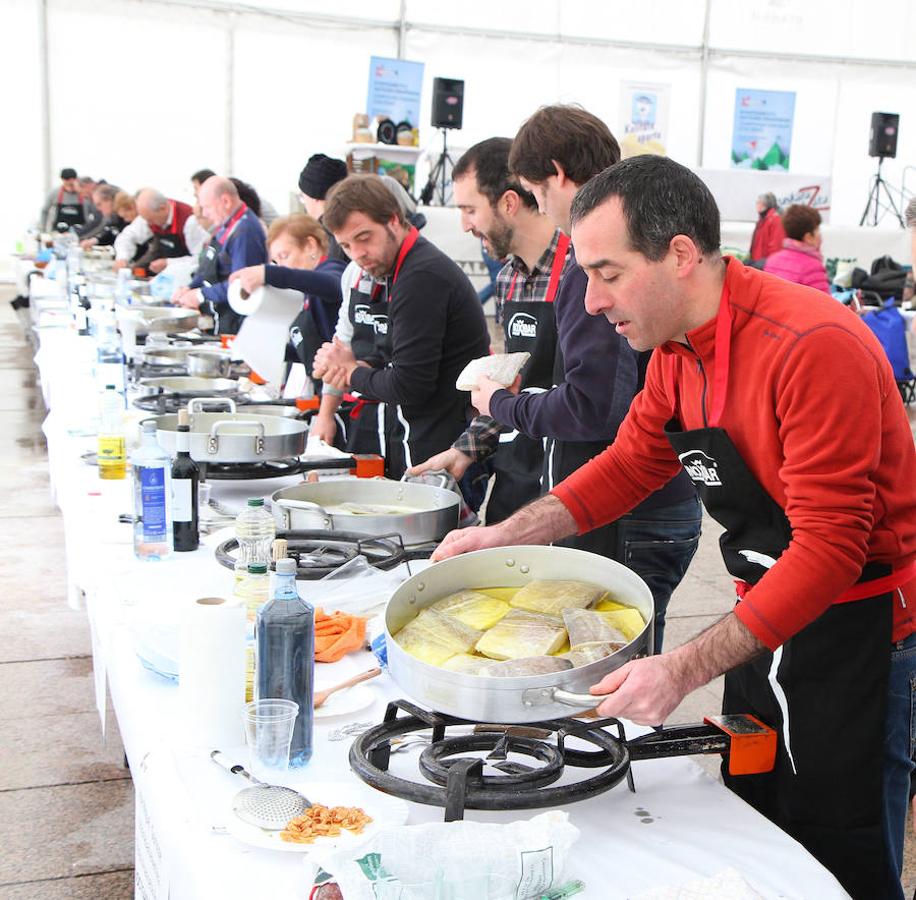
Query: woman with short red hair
[(800, 258)]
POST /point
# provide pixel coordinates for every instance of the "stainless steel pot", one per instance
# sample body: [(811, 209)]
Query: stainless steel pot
[(190, 387), (162, 319), (230, 437), (209, 363), (429, 512), (165, 356), (528, 698)]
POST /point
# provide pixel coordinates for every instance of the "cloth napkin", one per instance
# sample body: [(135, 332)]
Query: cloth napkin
[(337, 634)]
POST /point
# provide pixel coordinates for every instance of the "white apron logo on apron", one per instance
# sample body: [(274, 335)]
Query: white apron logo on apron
[(523, 325), (701, 468)]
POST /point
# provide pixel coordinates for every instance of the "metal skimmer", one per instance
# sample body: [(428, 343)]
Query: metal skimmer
[(267, 806)]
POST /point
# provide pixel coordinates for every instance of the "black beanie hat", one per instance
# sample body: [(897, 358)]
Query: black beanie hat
[(320, 174), (67, 173)]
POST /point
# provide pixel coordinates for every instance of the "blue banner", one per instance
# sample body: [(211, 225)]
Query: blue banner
[(394, 90), (762, 135)]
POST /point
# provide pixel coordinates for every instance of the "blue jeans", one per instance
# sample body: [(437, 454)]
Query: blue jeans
[(899, 747), (658, 545)]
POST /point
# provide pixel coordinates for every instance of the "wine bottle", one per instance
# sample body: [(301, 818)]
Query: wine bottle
[(185, 481)]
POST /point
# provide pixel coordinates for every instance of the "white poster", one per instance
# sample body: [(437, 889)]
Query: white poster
[(736, 191), (644, 114)]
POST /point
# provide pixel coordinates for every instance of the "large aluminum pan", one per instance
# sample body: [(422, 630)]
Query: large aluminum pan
[(429, 512), (529, 698), (162, 319), (229, 437), (188, 386), (209, 363)]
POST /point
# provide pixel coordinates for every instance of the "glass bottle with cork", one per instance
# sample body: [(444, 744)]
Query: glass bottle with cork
[(185, 483)]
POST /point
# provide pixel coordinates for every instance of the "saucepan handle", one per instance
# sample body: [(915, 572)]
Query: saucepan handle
[(305, 506), (580, 701), (196, 404)]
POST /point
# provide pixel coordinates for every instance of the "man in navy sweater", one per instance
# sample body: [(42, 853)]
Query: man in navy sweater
[(237, 242)]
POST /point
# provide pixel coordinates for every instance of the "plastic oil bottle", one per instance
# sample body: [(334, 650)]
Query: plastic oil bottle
[(252, 590), (111, 452), (255, 530)]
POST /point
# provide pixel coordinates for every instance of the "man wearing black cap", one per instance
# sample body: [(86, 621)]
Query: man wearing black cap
[(320, 174), (65, 207)]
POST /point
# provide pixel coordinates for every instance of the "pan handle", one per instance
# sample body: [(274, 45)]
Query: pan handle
[(195, 404), (440, 475), (306, 505), (213, 442), (580, 701)]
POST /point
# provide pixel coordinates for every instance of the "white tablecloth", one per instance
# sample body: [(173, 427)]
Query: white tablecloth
[(679, 824)]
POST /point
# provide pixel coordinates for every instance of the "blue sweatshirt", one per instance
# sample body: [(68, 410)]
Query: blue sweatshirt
[(601, 375), (247, 246)]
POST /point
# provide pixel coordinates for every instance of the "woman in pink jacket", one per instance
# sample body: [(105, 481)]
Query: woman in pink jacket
[(800, 259)]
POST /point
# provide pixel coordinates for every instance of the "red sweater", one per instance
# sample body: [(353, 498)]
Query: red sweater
[(813, 409), (179, 213), (768, 235)]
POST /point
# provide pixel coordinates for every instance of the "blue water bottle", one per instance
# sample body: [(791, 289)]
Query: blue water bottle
[(285, 656)]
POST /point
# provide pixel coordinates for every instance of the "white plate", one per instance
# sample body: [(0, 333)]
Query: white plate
[(352, 700), (384, 809)]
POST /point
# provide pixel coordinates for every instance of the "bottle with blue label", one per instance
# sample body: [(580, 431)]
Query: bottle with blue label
[(151, 467), (285, 655)]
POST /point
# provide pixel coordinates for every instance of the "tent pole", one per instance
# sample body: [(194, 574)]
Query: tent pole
[(704, 75), (45, 91), (229, 135), (402, 29)]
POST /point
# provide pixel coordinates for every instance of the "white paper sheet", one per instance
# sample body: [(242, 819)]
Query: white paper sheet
[(262, 339)]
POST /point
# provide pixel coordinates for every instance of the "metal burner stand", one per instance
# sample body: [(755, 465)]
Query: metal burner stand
[(458, 783), (319, 553)]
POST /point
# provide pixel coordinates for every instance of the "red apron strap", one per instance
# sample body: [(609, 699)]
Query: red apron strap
[(406, 247), (723, 358), (556, 270), (874, 588)]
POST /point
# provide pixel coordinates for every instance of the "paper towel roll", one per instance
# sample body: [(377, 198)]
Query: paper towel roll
[(211, 672), (265, 300), (261, 341)]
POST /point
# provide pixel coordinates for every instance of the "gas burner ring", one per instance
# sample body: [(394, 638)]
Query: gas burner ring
[(466, 787), (437, 759), (335, 548)]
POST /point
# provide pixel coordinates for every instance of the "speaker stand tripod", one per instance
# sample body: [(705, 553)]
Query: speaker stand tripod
[(875, 205), (438, 176)]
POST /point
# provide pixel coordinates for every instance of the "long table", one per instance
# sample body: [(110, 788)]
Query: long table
[(679, 825)]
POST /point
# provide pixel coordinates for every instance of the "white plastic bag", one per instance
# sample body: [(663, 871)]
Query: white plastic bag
[(531, 852)]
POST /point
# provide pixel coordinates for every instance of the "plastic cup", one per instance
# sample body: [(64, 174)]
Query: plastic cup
[(268, 733), (203, 495)]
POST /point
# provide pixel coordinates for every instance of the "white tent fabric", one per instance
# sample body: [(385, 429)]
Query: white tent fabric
[(147, 91)]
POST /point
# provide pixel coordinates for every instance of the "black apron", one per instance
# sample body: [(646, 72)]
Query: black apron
[(824, 690), (368, 314), (69, 215), (171, 243), (309, 330), (213, 267), (378, 427), (530, 326)]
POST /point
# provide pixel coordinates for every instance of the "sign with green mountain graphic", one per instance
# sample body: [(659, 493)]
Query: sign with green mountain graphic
[(762, 134)]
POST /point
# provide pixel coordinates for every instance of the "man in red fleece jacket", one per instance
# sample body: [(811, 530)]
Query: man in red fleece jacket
[(782, 407)]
